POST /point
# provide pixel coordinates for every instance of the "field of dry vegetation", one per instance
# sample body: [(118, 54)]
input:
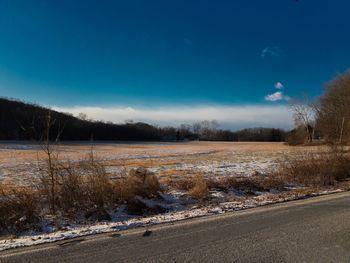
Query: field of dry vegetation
[(84, 184)]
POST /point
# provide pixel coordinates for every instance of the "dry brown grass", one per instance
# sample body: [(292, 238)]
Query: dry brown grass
[(170, 173), (85, 188), (239, 183), (172, 160), (198, 183), (81, 188), (88, 186), (312, 169), (19, 209), (200, 189), (180, 179), (143, 183)]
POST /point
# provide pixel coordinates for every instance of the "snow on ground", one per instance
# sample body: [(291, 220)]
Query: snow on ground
[(128, 223), (18, 163)]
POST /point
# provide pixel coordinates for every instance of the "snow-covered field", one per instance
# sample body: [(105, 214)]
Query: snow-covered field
[(18, 164)]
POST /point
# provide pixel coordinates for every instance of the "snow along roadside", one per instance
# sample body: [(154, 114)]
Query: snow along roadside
[(78, 231)]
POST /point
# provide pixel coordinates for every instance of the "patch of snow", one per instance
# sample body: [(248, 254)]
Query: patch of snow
[(127, 223), (217, 194)]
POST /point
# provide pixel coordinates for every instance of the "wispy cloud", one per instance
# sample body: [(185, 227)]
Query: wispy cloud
[(271, 51), (277, 96), (279, 85), (274, 96), (232, 117)]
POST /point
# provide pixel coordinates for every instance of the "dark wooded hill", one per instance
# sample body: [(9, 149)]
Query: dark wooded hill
[(23, 121), (26, 121)]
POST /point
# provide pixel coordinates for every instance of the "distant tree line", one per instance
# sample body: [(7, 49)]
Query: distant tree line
[(25, 121)]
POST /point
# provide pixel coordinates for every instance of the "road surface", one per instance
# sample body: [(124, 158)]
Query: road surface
[(310, 230)]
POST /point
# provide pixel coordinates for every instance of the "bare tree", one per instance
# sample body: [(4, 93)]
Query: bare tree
[(51, 152), (82, 116), (304, 116), (40, 128), (206, 129), (334, 110)]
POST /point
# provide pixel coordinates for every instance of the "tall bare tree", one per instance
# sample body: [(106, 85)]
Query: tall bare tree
[(40, 130), (304, 113), (333, 117)]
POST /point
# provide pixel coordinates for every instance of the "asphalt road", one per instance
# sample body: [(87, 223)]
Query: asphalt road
[(311, 230)]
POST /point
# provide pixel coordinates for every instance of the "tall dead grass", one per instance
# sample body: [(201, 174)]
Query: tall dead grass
[(318, 170), (80, 188), (309, 169), (19, 209), (141, 182), (85, 188), (199, 190), (248, 184)]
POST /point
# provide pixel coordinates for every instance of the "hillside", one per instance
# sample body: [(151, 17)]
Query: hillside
[(25, 121), (22, 121)]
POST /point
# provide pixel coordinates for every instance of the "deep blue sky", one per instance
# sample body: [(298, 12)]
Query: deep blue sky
[(169, 52)]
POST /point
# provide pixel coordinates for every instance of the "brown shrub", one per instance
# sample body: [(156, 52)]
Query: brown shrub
[(239, 183), (183, 183), (72, 192), (273, 181), (88, 188), (316, 169), (200, 189), (75, 188), (248, 184), (297, 136), (141, 182), (84, 187), (19, 209), (100, 190)]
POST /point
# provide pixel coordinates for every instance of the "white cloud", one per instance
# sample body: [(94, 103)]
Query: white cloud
[(279, 85), (271, 51), (232, 117), (277, 96)]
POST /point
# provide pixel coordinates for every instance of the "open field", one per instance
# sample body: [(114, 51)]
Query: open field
[(18, 162), (195, 179)]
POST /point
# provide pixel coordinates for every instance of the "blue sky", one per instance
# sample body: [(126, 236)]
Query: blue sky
[(163, 55)]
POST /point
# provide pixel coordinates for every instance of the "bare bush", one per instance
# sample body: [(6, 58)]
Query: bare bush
[(141, 182), (312, 169), (200, 189), (297, 136), (99, 187), (248, 184), (19, 209), (85, 186), (183, 183), (72, 192), (197, 184), (139, 185)]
